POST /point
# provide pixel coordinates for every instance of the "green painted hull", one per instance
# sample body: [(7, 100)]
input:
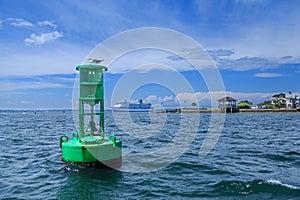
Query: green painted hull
[(92, 150)]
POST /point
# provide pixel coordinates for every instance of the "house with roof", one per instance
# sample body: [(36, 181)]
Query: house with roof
[(282, 101)]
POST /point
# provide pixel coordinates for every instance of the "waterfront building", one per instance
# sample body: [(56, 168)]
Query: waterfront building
[(228, 104), (281, 101)]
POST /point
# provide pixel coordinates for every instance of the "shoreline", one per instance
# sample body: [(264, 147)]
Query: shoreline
[(269, 110), (216, 110)]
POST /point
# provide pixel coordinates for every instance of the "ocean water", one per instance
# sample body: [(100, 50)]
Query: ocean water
[(257, 156)]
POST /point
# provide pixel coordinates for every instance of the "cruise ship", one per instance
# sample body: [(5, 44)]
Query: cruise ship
[(126, 106)]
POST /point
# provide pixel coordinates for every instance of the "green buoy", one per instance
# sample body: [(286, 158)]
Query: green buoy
[(89, 145)]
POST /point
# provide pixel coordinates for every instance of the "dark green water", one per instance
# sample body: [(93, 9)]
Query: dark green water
[(257, 157)]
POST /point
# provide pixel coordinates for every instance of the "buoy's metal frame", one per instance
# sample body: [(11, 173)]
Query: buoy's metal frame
[(90, 145)]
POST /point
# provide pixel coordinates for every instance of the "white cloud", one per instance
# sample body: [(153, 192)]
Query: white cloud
[(220, 52), (250, 1), (223, 59), (41, 61), (143, 61), (26, 102), (158, 100), (268, 75), (42, 38), (149, 67), (47, 23), (19, 22), (255, 97), (207, 99), (22, 85), (254, 34)]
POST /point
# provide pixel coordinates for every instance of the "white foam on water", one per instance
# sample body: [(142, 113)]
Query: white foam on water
[(68, 168), (277, 182)]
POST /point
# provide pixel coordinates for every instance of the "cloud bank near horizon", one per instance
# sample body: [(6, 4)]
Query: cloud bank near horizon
[(208, 99)]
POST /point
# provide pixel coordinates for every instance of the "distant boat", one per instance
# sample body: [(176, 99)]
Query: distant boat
[(126, 106)]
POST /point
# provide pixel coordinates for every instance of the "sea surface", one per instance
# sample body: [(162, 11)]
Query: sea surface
[(257, 156)]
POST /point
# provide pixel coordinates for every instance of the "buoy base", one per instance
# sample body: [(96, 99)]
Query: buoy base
[(92, 150)]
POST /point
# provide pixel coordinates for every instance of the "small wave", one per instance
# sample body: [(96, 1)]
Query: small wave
[(293, 153), (270, 187), (249, 151), (276, 182), (192, 166), (70, 169), (279, 157), (67, 168)]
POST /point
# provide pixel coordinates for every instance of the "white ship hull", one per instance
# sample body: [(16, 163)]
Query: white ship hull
[(132, 107), (130, 110)]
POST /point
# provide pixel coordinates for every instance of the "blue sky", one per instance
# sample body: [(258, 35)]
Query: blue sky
[(254, 43)]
